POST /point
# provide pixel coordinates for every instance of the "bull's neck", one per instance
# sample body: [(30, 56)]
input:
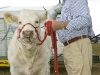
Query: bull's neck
[(30, 52)]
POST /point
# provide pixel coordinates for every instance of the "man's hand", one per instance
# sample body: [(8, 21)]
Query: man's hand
[(55, 25)]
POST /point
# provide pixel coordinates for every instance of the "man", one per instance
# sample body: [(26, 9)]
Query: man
[(74, 28)]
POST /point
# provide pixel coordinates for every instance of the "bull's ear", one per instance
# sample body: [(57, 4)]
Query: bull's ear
[(43, 16), (10, 18)]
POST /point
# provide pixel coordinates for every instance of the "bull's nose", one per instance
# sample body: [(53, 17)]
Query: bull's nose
[(28, 33)]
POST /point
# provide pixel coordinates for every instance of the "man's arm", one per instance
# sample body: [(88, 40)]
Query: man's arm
[(81, 17)]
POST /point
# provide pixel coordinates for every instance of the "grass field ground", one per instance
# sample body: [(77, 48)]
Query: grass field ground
[(62, 71), (96, 49), (95, 69)]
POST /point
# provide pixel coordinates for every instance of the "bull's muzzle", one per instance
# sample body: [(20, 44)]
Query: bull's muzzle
[(27, 34)]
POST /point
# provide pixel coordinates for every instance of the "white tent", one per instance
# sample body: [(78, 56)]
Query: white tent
[(93, 5), (38, 5), (16, 10)]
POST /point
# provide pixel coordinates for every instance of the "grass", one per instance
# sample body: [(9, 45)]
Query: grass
[(95, 69), (96, 49), (4, 71), (62, 71)]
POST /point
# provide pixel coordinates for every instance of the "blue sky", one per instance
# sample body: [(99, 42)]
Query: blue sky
[(93, 5)]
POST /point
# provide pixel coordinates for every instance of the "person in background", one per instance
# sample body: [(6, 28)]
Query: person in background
[(74, 28)]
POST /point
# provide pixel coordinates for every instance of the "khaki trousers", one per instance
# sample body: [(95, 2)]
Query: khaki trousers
[(78, 57)]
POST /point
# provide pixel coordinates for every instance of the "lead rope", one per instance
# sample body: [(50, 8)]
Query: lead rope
[(50, 32)]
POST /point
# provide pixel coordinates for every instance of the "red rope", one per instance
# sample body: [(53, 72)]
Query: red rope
[(50, 32), (40, 41)]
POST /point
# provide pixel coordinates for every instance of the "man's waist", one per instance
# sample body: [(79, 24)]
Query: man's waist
[(74, 39), (67, 34)]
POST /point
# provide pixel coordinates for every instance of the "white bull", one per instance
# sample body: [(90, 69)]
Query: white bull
[(26, 57)]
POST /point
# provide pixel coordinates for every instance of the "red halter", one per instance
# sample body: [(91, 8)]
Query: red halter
[(40, 41)]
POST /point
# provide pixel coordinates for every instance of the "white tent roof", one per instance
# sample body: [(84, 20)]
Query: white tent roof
[(93, 4), (14, 8)]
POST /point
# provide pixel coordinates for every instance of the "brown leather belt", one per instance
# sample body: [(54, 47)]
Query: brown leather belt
[(74, 39)]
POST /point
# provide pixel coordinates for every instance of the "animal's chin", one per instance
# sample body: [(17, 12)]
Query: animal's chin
[(27, 40)]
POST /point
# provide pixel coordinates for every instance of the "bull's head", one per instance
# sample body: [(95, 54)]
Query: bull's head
[(28, 24)]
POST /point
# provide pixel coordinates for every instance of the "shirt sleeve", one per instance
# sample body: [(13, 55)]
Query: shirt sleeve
[(80, 15), (91, 33)]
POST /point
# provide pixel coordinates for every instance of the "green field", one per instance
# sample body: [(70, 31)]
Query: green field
[(95, 69), (96, 49)]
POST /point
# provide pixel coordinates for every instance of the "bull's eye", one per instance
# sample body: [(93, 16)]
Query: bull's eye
[(36, 21), (19, 22)]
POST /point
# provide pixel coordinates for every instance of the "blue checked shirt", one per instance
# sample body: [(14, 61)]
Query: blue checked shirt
[(78, 13)]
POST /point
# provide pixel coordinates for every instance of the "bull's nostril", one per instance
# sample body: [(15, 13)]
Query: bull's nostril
[(23, 32), (31, 33)]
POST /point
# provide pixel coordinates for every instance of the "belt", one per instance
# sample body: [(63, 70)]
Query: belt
[(74, 39)]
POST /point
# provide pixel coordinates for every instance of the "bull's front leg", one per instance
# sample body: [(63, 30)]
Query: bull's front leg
[(13, 71), (45, 70)]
